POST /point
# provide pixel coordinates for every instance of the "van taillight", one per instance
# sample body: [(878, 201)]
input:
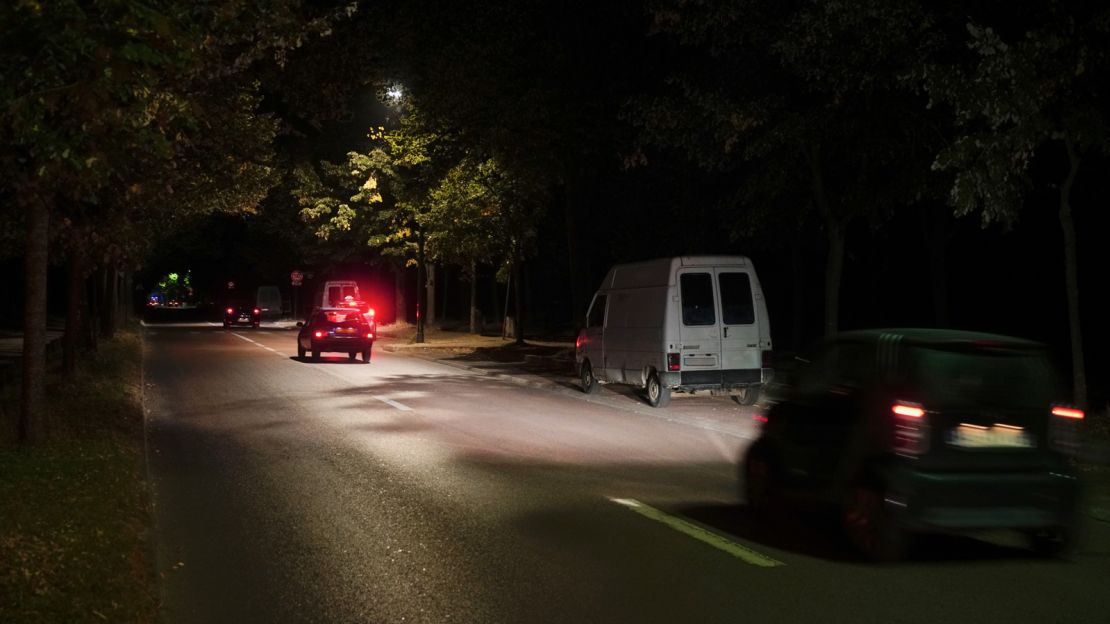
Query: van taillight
[(1064, 429), (911, 428), (673, 362), (768, 360)]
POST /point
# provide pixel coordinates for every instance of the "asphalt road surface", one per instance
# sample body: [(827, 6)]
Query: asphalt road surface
[(412, 491)]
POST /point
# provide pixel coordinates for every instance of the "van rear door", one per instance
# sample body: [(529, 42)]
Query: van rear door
[(740, 349), (700, 329)]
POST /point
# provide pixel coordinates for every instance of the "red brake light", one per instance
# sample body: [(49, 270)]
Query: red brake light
[(257, 311), (319, 334), (1068, 412), (370, 311), (907, 411), (673, 362), (761, 418), (369, 334), (231, 310), (911, 429)]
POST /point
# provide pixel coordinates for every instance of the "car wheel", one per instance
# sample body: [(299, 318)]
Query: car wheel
[(747, 396), (658, 395), (761, 483), (351, 355), (1055, 542), (315, 355), (300, 352), (586, 374), (255, 324), (869, 525)]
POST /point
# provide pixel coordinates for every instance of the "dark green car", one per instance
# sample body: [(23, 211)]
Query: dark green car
[(921, 430)]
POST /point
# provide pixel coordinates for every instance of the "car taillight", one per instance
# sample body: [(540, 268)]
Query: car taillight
[(369, 334), (257, 311), (1068, 412), (319, 334), (231, 310), (673, 362), (370, 311), (1064, 429), (911, 428)]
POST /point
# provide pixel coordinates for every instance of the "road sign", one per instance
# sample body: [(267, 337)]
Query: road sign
[(296, 277)]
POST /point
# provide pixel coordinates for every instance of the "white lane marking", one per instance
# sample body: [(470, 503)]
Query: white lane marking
[(243, 337), (391, 402), (687, 528)]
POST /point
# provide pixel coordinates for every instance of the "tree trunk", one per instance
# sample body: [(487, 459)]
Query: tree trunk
[(110, 304), (430, 269), (577, 274), (446, 282), (835, 231), (75, 282), (798, 292), (400, 310), (421, 291), (32, 417), (1071, 280), (475, 313), (518, 302), (494, 299)]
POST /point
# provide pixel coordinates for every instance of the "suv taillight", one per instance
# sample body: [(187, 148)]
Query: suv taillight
[(1064, 429), (673, 362), (911, 429)]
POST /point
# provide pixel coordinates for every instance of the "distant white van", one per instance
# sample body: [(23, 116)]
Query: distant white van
[(685, 324)]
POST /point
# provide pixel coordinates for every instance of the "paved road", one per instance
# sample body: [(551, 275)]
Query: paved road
[(411, 491)]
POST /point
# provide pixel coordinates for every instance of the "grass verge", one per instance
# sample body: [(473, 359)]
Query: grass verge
[(75, 518)]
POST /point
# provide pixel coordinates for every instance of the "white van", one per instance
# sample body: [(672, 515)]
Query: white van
[(686, 324)]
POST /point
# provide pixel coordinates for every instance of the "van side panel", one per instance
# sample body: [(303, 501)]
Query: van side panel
[(634, 332)]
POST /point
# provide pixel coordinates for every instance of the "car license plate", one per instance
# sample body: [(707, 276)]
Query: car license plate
[(244, 317), (996, 436), (345, 330)]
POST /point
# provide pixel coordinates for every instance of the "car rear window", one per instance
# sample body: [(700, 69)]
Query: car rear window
[(339, 317), (984, 377)]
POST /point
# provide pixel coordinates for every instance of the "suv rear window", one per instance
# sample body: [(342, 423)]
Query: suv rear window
[(984, 377)]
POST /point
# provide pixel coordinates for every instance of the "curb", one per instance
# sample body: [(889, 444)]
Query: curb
[(514, 378)]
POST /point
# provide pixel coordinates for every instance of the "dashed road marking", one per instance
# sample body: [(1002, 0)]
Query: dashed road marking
[(717, 541), (391, 402), (244, 338)]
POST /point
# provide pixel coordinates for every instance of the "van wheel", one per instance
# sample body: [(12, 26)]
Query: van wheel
[(586, 375), (658, 395), (351, 355), (748, 396), (869, 525)]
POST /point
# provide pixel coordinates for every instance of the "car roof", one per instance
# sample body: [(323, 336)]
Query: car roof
[(932, 337)]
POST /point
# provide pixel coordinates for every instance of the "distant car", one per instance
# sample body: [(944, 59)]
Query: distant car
[(921, 430), (336, 329), (242, 314)]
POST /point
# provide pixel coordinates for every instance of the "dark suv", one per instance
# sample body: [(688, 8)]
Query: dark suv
[(336, 329), (922, 430)]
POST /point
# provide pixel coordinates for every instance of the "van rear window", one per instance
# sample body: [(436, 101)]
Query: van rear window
[(736, 298), (697, 299)]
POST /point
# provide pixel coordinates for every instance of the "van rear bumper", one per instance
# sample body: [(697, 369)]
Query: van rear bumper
[(728, 379)]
